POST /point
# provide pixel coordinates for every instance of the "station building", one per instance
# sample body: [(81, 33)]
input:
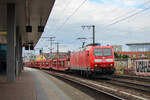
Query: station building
[(137, 50), (139, 47)]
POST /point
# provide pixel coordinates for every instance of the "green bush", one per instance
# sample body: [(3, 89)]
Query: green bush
[(120, 56)]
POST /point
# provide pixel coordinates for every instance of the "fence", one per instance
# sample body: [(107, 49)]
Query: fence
[(142, 67), (133, 66)]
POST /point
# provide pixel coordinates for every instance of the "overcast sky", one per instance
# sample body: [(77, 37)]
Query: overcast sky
[(100, 13)]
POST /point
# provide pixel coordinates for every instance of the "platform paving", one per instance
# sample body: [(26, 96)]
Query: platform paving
[(22, 89), (36, 85)]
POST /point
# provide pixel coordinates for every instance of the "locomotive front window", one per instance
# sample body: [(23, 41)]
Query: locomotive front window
[(107, 52), (98, 52), (102, 52)]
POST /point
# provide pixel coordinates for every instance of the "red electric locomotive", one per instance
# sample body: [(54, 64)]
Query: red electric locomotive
[(94, 60)]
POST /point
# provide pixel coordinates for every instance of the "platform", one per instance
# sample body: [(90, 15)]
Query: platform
[(36, 85)]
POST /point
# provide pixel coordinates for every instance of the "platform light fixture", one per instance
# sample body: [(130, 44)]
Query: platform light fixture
[(26, 47), (28, 28), (40, 26), (31, 47)]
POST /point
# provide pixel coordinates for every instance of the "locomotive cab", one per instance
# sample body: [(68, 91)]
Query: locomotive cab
[(102, 59)]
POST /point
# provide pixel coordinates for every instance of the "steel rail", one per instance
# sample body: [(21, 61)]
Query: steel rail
[(138, 78), (132, 85)]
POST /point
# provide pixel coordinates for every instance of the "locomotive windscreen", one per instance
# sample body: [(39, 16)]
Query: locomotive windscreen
[(102, 52)]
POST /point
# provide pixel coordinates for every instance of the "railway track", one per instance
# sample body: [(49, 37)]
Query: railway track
[(136, 85), (106, 92), (138, 78)]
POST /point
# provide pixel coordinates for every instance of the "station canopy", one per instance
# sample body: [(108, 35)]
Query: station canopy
[(28, 13)]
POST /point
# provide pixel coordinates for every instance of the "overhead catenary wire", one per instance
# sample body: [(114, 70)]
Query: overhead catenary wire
[(113, 23), (58, 29), (63, 11), (125, 18), (129, 11)]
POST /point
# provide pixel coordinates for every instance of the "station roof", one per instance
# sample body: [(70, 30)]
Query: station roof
[(130, 44), (37, 11)]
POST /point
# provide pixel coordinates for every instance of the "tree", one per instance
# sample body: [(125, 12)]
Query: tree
[(147, 55), (116, 55), (120, 56)]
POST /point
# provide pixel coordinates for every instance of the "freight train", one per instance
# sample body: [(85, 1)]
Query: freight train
[(93, 60)]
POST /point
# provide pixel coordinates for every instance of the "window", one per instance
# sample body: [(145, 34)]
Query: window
[(102, 52), (74, 59), (77, 59), (107, 52), (63, 64), (54, 63), (98, 52)]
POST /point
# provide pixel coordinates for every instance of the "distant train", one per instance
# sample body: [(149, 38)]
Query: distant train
[(93, 60)]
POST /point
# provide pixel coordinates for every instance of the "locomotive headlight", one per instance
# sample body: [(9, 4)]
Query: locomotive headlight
[(97, 60), (109, 60), (96, 65), (111, 64)]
